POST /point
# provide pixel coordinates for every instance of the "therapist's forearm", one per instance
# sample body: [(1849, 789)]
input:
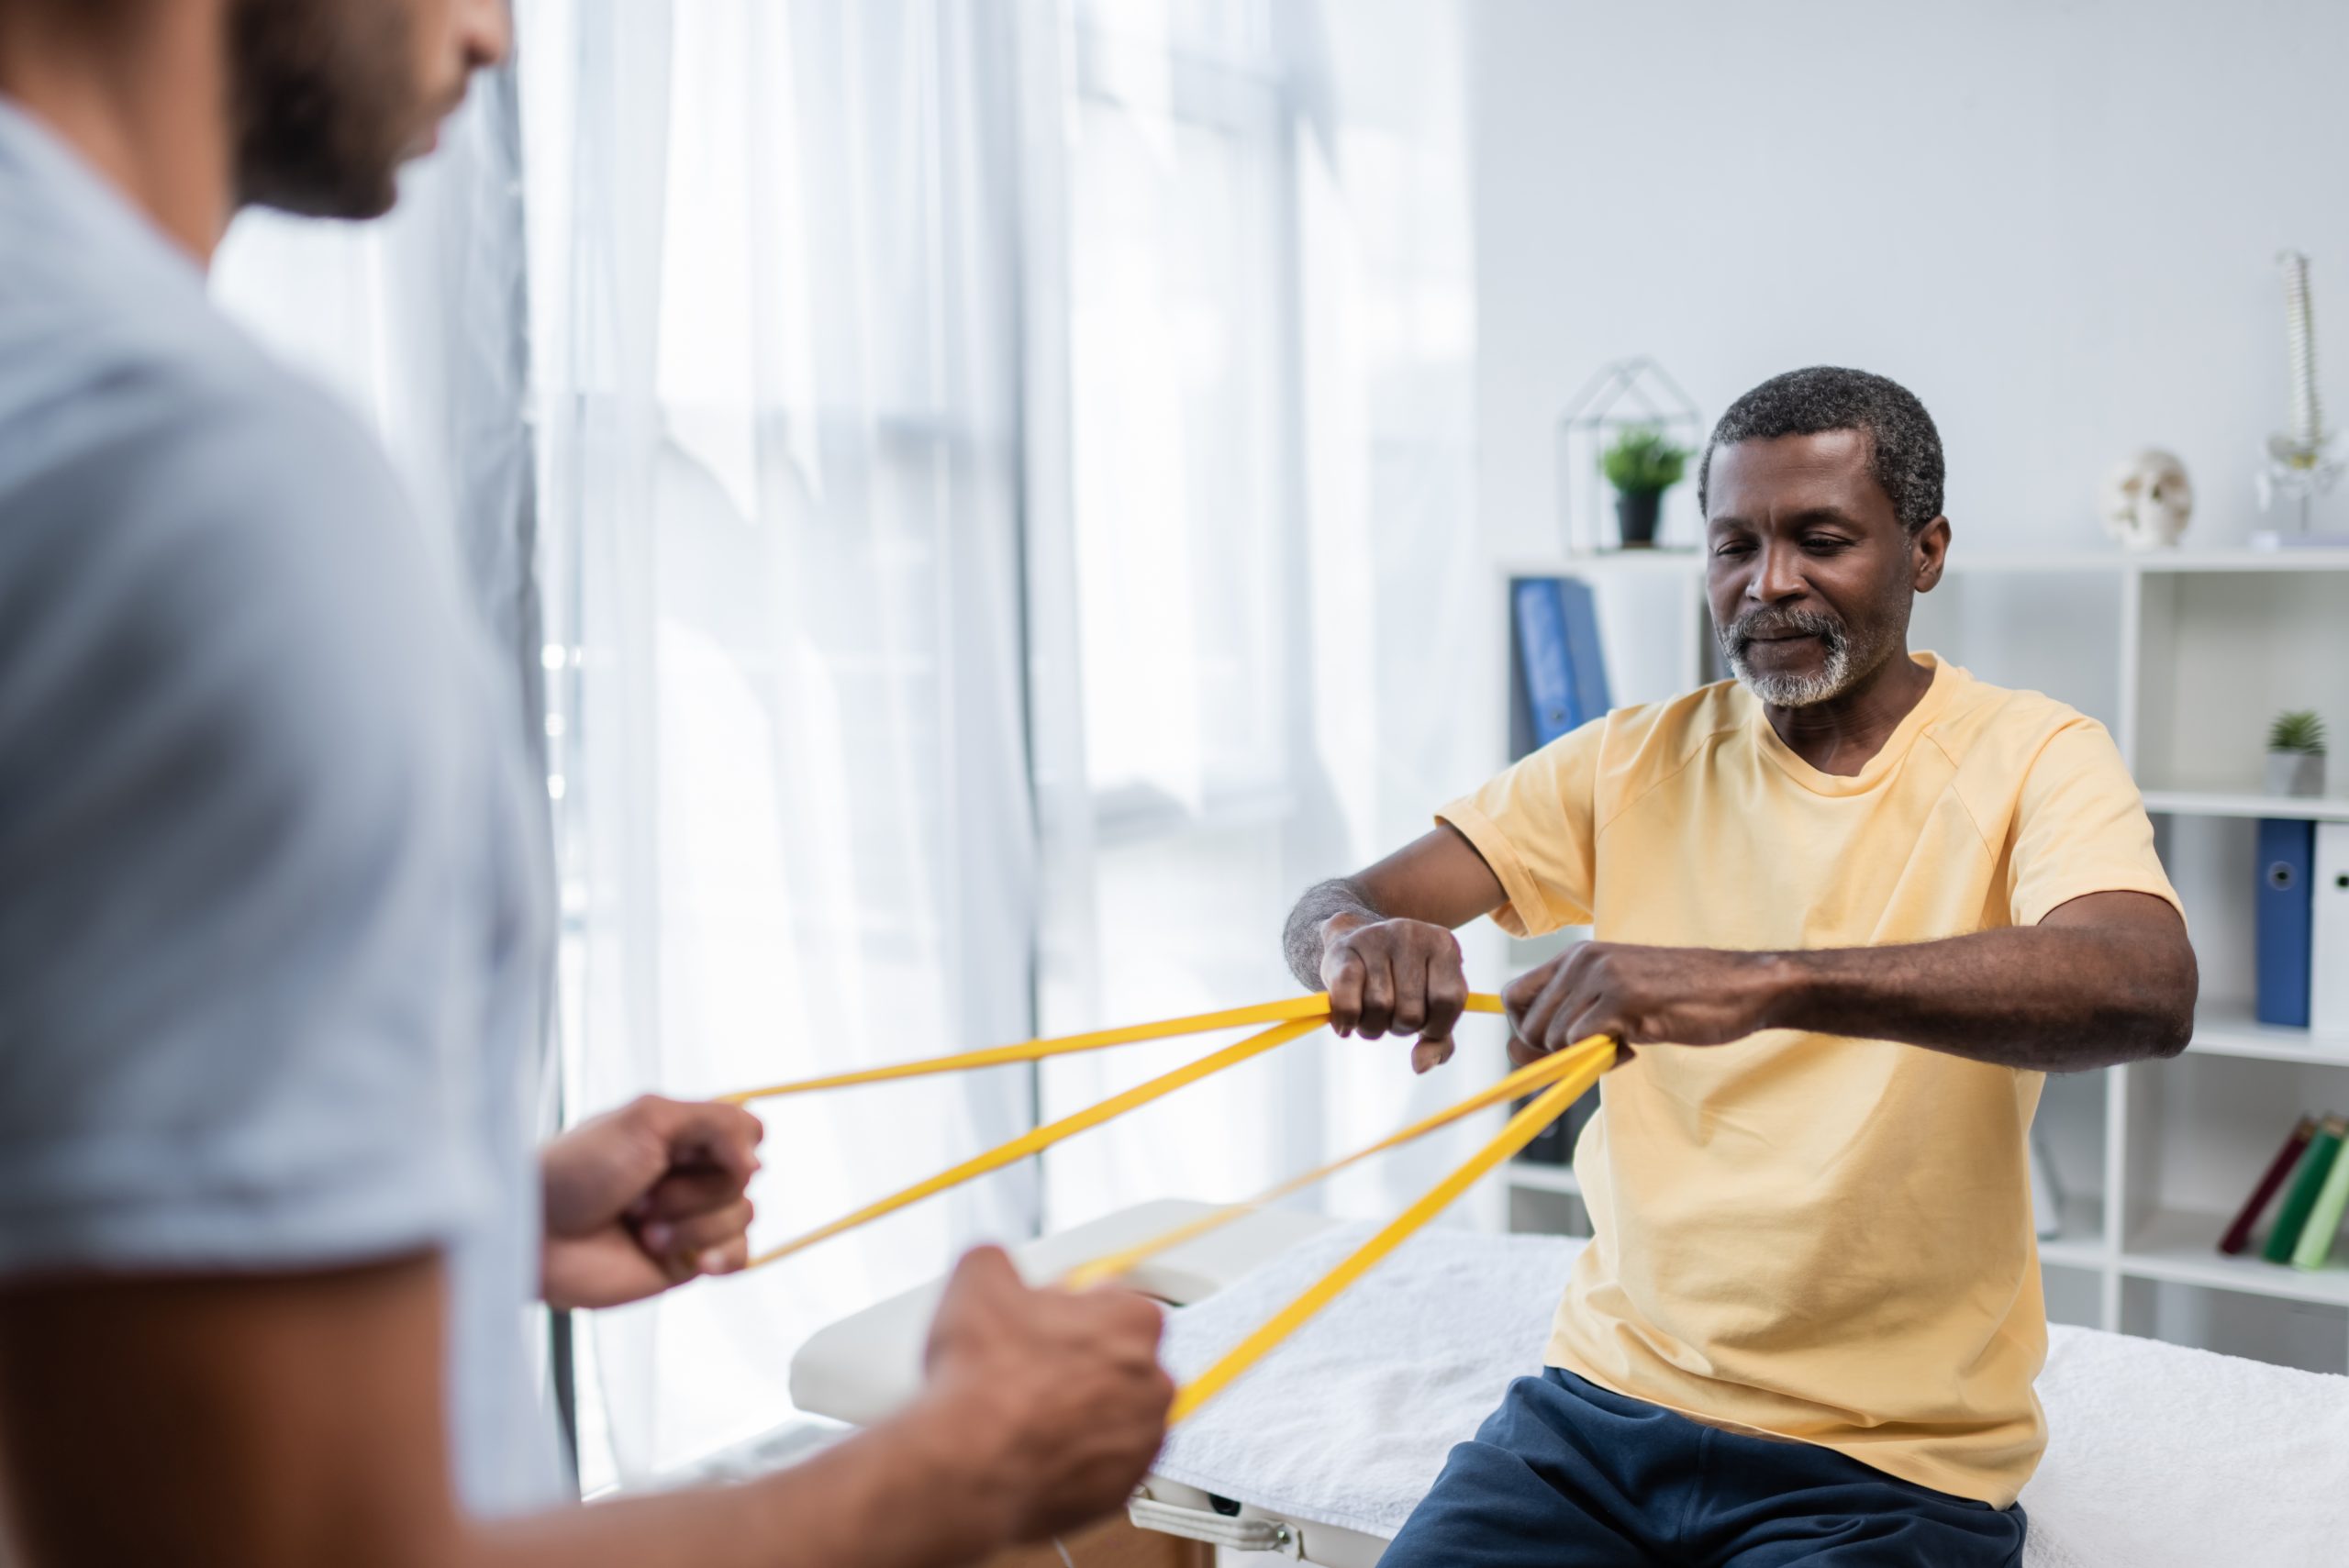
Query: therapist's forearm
[(287, 1420), (897, 1496)]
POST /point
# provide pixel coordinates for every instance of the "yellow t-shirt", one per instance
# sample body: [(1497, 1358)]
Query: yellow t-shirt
[(1825, 1239)]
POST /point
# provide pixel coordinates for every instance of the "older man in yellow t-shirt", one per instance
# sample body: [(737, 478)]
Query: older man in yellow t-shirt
[(1848, 909)]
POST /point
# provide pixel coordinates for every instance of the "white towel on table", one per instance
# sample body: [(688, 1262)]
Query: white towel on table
[(2160, 1456)]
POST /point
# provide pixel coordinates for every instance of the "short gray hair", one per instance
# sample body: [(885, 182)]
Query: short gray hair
[(1904, 448)]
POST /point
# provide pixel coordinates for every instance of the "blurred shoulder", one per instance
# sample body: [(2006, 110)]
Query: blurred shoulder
[(213, 556)]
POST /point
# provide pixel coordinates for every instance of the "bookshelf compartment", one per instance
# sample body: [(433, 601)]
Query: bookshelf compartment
[(2313, 1337), (1652, 622), (2202, 1129), (2073, 1293), (2181, 1246), (1547, 1212), (2080, 1244), (2068, 1132), (2213, 862), (1526, 1176), (2221, 653), (2228, 1029), (2034, 631)]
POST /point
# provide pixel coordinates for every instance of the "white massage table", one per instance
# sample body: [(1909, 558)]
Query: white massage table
[(867, 1366), (2160, 1456)]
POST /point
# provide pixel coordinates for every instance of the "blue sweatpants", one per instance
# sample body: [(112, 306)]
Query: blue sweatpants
[(1567, 1475)]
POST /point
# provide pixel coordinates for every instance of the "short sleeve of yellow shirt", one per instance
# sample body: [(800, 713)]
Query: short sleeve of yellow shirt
[(1819, 1238)]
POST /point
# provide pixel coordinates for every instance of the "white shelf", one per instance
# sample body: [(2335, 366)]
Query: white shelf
[(1962, 560), (1609, 563), (2228, 1029), (2027, 563), (2228, 802), (1530, 1176), (2066, 1253), (2081, 1243), (2182, 1247), (2307, 558)]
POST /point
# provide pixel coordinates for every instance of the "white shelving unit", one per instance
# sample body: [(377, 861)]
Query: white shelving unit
[(2185, 656)]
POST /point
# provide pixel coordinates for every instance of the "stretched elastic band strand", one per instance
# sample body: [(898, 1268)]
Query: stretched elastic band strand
[(1527, 1080), (1038, 1140), (1521, 1130), (1315, 1007)]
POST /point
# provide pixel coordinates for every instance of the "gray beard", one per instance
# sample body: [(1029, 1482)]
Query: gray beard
[(1799, 691), (1840, 672)]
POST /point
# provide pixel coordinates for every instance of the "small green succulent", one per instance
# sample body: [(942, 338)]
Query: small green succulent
[(2298, 731), (1643, 461)]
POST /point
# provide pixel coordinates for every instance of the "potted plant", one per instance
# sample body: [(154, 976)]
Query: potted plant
[(2295, 754), (1641, 464)]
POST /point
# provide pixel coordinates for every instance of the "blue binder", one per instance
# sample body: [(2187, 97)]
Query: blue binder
[(1541, 659), (1562, 673), (2286, 852), (1590, 666)]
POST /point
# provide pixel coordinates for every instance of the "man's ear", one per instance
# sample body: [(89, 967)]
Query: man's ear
[(1928, 551)]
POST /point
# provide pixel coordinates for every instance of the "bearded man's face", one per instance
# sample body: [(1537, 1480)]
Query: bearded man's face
[(331, 97)]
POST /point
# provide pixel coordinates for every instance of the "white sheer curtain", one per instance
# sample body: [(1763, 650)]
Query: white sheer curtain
[(775, 306), (1006, 472), (1260, 662)]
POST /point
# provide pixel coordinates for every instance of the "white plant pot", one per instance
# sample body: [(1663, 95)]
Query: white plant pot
[(2296, 772)]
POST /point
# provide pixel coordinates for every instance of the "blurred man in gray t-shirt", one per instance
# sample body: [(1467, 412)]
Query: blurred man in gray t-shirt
[(271, 930)]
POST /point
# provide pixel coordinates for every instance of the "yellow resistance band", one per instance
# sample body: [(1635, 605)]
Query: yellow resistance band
[(1038, 1140), (1315, 1007), (1520, 1131), (1568, 1074), (1529, 1079)]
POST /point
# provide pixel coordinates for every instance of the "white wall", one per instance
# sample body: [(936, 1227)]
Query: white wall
[(2055, 222)]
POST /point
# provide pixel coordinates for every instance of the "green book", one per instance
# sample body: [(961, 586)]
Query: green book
[(2316, 1237), (2306, 1182)]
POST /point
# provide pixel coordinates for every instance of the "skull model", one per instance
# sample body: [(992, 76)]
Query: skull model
[(2147, 499)]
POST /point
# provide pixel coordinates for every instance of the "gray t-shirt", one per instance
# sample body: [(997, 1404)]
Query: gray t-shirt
[(271, 912)]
